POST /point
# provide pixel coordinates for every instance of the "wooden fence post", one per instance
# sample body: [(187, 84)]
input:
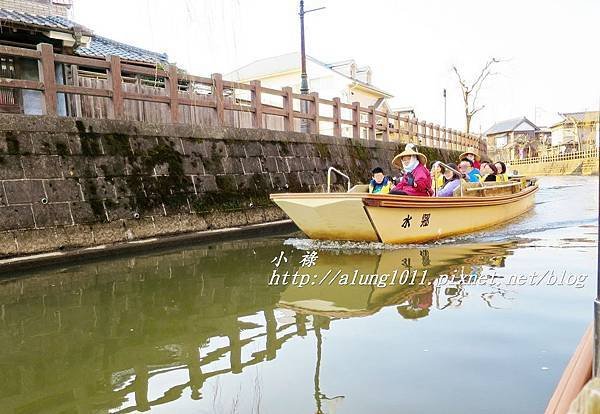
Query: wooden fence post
[(356, 120), (256, 102), (47, 75), (372, 123), (173, 94), (337, 118), (314, 112), (288, 107), (116, 81), (76, 99), (386, 132), (430, 136), (217, 79)]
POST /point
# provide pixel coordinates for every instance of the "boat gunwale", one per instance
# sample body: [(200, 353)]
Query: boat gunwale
[(401, 201)]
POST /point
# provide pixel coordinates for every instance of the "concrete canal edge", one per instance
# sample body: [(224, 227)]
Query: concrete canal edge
[(19, 264)]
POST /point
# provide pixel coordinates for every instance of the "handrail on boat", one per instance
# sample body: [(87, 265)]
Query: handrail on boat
[(329, 170), (493, 186)]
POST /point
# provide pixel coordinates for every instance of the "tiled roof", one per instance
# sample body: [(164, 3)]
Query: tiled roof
[(588, 116), (509, 125), (99, 46), (29, 19), (285, 63), (102, 47)]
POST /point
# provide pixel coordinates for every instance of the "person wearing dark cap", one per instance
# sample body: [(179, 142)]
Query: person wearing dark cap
[(379, 184)]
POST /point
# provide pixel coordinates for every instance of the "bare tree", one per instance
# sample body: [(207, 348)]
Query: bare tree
[(471, 91)]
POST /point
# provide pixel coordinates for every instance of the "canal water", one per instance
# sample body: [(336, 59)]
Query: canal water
[(484, 323)]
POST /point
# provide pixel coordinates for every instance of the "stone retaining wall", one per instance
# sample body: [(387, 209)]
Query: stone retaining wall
[(68, 183)]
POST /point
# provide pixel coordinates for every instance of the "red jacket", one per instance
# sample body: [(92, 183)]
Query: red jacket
[(422, 180)]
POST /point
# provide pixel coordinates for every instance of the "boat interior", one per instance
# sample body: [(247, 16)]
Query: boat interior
[(468, 189)]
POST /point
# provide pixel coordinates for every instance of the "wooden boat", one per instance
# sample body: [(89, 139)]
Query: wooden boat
[(359, 216)]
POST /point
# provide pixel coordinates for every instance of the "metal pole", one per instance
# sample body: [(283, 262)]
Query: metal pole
[(444, 108), (303, 76), (445, 131)]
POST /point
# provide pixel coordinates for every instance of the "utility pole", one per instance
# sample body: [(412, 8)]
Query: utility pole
[(445, 113), (303, 76), (444, 108)]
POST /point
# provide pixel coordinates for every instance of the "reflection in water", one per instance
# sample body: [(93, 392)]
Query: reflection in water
[(133, 334), (410, 280)]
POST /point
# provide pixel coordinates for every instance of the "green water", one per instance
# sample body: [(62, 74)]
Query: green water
[(202, 330)]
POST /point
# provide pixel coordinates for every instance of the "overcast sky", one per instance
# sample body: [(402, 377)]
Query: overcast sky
[(550, 47)]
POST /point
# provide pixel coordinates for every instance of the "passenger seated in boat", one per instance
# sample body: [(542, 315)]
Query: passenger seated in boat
[(471, 154), (501, 177), (452, 182), (416, 179), (437, 176), (488, 171), (471, 174), (379, 184)]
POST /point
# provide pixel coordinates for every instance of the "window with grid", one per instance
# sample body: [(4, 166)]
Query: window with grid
[(8, 96)]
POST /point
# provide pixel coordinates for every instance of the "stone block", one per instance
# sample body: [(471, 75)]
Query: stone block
[(82, 213), (251, 165), (236, 149), (49, 215), (24, 191), (232, 166), (253, 149), (78, 167), (282, 165), (295, 164), (62, 190), (110, 166), (204, 183), (10, 167), (269, 149), (42, 166), (193, 166), (16, 217), (269, 164)]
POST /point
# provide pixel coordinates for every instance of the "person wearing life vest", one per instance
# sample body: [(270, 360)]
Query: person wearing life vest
[(379, 184), (488, 172), (501, 177), (416, 179), (437, 176), (467, 169), (471, 154)]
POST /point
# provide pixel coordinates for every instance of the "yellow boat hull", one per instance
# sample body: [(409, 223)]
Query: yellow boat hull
[(327, 216), (399, 219)]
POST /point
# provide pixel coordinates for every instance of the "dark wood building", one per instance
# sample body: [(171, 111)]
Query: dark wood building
[(23, 29)]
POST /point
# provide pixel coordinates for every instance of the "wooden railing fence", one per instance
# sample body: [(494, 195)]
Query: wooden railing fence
[(121, 90)]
